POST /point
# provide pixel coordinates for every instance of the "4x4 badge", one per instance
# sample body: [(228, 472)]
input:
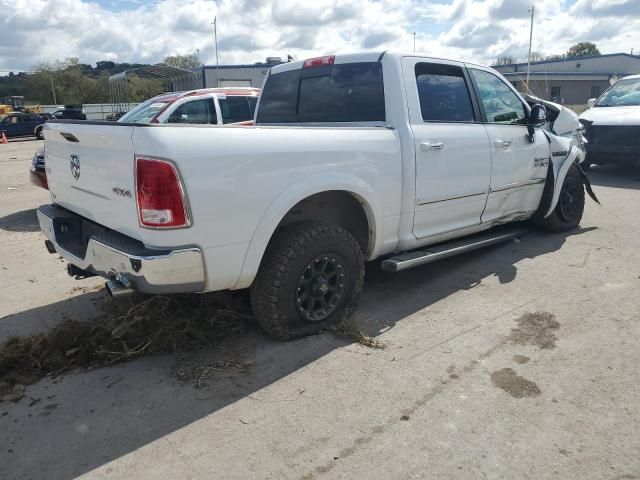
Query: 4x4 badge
[(74, 165)]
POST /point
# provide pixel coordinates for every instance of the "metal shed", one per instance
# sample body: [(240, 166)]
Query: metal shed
[(173, 78)]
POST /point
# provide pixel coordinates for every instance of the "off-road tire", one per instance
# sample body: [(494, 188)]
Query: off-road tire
[(275, 291), (568, 212)]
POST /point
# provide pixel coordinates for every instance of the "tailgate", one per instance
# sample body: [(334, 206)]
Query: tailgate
[(90, 169)]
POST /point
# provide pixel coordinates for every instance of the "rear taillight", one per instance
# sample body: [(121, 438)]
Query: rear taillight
[(319, 61), (160, 194)]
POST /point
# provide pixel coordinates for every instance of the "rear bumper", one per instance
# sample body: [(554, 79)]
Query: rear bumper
[(114, 256)]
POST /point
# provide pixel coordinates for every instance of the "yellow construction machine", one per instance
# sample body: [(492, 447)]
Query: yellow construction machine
[(15, 103)]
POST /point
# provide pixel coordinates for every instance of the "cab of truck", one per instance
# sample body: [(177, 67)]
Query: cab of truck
[(212, 106)]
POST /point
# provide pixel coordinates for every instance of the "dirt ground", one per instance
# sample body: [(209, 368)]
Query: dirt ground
[(518, 361)]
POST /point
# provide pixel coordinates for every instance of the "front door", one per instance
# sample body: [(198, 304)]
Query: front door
[(518, 165), (11, 126), (29, 123), (452, 153)]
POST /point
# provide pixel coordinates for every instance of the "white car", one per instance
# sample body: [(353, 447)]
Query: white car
[(391, 156), (612, 124)]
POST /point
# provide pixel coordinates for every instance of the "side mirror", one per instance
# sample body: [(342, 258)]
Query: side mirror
[(538, 115), (591, 102)]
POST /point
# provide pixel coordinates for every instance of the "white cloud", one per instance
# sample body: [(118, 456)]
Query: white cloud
[(33, 31)]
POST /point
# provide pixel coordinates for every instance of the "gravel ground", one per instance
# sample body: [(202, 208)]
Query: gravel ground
[(518, 361)]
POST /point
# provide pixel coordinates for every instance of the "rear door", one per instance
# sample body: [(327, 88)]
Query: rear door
[(453, 162), (518, 166)]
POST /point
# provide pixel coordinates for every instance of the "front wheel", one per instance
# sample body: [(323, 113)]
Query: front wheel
[(39, 134), (570, 207), (310, 278)]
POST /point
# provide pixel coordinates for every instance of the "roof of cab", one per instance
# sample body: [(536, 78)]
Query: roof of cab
[(247, 91), (363, 57), (173, 96)]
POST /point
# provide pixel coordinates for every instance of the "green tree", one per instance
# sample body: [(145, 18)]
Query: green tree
[(142, 89), (583, 49), (186, 62), (504, 60)]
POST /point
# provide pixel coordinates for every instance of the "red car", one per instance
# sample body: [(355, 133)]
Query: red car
[(215, 106)]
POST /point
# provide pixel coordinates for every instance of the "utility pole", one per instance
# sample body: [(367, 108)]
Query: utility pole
[(414, 41), (53, 90), (533, 9), (215, 36)]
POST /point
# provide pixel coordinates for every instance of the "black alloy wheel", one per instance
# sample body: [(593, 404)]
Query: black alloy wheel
[(320, 287)]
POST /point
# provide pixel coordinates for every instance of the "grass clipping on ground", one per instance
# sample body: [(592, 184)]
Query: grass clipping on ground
[(155, 324), (127, 330), (351, 330)]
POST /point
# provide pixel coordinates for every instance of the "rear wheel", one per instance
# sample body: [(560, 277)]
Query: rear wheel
[(310, 278), (39, 133), (570, 207)]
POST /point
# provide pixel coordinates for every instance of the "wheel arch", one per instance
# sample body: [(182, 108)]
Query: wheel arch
[(560, 170), (316, 189)]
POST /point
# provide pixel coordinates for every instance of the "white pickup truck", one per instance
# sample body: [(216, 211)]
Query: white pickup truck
[(353, 158)]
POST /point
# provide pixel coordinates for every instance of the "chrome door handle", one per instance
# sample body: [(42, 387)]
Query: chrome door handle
[(502, 143), (425, 146)]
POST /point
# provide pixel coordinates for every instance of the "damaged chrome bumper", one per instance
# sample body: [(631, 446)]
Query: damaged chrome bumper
[(118, 258)]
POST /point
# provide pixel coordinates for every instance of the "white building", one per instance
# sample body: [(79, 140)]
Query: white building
[(250, 75), (571, 80)]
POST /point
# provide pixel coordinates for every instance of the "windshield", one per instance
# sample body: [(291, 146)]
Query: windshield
[(623, 93), (144, 113)]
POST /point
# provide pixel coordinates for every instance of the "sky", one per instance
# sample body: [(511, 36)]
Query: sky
[(35, 31)]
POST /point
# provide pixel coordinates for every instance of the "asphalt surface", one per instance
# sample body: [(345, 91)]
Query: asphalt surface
[(517, 361)]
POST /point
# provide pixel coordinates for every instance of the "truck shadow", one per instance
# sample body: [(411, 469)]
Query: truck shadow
[(73, 424), (615, 176), (24, 221)]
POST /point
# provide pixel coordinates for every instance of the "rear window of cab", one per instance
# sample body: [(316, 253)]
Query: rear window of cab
[(351, 92)]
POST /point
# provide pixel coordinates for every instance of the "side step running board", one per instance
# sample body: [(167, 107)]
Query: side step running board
[(449, 249)]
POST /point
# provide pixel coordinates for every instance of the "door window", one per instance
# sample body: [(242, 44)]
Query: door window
[(500, 103), (197, 112), (235, 109), (443, 92)]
